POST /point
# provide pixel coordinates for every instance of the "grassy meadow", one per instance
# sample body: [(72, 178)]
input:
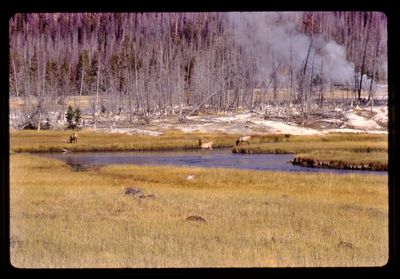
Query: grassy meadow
[(60, 217), (89, 140), (63, 218)]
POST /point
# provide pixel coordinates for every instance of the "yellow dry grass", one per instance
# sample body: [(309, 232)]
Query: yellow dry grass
[(377, 159), (88, 140), (54, 141), (62, 218)]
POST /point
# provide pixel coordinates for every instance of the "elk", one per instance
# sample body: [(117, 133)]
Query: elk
[(243, 139), (73, 138), (205, 145)]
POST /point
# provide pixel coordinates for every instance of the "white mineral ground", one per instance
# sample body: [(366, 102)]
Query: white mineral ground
[(353, 120)]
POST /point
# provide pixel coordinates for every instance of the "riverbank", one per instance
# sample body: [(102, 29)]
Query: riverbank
[(89, 140), (252, 218), (342, 150), (375, 161), (337, 151)]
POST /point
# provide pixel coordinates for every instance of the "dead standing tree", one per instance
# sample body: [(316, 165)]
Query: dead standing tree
[(301, 96), (34, 120), (374, 61), (366, 27), (194, 53)]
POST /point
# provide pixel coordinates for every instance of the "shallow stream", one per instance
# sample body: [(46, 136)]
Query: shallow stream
[(223, 158)]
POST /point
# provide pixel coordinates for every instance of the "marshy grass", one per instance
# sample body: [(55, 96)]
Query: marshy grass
[(366, 151), (62, 218), (348, 148), (346, 159), (303, 146), (55, 141), (282, 143)]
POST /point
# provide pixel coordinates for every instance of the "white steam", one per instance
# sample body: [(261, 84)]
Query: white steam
[(272, 41)]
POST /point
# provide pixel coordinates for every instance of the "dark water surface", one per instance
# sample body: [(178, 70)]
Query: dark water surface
[(223, 158)]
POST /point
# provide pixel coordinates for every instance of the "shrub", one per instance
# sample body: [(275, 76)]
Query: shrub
[(73, 117), (77, 117), (70, 118)]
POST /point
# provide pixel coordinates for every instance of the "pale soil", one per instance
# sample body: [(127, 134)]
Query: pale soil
[(355, 120), (274, 119)]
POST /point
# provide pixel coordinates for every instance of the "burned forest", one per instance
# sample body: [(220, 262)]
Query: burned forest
[(118, 68)]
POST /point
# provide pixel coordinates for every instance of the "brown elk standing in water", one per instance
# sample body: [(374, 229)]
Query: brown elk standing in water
[(73, 138), (243, 139), (205, 145)]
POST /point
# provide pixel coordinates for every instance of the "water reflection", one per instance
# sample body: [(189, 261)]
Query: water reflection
[(223, 158)]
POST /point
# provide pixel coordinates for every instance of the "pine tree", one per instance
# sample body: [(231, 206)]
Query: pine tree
[(77, 117), (70, 118)]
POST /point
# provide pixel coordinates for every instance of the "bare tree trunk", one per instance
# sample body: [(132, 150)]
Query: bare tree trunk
[(81, 87), (363, 59), (302, 96), (96, 105), (221, 96), (16, 104), (40, 120), (309, 97), (15, 76), (180, 95), (291, 72), (136, 89), (42, 98), (371, 91), (130, 98), (321, 86)]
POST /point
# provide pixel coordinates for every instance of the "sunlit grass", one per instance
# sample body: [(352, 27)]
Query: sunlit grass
[(55, 141), (365, 149), (301, 147), (370, 160), (62, 218)]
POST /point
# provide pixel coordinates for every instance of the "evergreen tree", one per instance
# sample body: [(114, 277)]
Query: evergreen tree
[(70, 118), (77, 117)]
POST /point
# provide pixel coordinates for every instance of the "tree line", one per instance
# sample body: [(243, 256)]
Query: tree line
[(152, 63)]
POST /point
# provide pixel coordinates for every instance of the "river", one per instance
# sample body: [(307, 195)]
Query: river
[(223, 158)]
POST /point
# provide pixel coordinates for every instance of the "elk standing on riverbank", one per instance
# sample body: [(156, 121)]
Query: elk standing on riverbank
[(243, 139), (73, 138), (205, 145)]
